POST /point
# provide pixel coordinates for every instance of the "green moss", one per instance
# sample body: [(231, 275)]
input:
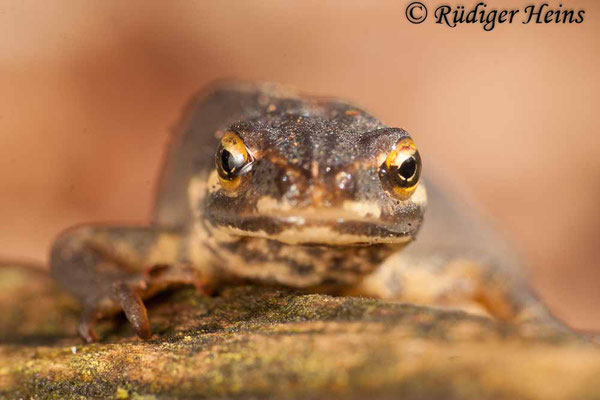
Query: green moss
[(10, 277), (252, 342)]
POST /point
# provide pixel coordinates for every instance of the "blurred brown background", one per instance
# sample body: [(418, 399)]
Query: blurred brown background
[(88, 91)]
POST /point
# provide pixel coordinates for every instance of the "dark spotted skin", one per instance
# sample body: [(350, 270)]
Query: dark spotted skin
[(311, 213)]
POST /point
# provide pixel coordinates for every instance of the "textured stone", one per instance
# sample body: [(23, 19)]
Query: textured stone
[(250, 342)]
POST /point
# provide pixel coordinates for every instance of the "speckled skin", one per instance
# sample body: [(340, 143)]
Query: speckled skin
[(311, 213)]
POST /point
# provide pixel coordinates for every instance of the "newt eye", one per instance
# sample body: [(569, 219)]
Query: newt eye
[(401, 170), (233, 160)]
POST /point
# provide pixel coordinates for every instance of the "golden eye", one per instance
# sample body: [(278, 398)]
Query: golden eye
[(233, 160), (401, 170)]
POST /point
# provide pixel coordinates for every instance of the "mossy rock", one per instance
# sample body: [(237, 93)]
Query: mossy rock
[(257, 342)]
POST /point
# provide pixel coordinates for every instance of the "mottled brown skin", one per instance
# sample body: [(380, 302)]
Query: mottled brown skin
[(312, 210)]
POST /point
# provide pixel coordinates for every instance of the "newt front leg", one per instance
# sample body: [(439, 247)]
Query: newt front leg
[(114, 268)]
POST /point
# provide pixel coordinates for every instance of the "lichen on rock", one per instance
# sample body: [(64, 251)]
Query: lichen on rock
[(253, 342)]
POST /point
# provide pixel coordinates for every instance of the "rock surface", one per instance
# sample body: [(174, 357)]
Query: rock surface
[(250, 342)]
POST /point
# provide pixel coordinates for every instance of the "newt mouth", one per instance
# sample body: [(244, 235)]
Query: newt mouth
[(302, 230)]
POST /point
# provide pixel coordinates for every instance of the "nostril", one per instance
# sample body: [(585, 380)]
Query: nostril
[(289, 185), (345, 182)]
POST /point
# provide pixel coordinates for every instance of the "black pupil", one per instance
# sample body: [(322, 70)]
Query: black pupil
[(230, 163), (408, 168)]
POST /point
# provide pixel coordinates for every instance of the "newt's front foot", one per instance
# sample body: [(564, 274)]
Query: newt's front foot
[(111, 269), (127, 298)]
